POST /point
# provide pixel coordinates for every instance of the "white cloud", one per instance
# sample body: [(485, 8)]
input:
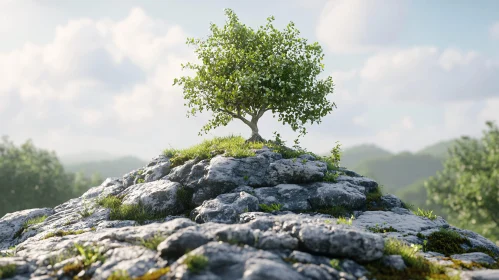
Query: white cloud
[(490, 111), (91, 117), (95, 77), (425, 74), (494, 31), (407, 123), (352, 26), (359, 120)]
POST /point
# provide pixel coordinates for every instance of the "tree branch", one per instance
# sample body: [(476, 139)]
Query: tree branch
[(236, 116)]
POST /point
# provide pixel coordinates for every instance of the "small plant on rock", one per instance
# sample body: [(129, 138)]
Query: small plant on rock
[(7, 271), (335, 263), (135, 212), (331, 176), (447, 242), (154, 275), (119, 275), (335, 211), (425, 213), (195, 263), (28, 223), (89, 254), (86, 212), (381, 229), (153, 242), (34, 221), (61, 233), (418, 267), (345, 221), (270, 208)]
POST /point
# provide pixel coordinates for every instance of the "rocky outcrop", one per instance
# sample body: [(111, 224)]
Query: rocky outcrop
[(259, 217)]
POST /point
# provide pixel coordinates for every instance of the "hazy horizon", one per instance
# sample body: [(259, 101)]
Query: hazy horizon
[(77, 78)]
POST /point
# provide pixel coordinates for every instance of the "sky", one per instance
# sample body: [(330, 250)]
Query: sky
[(93, 75)]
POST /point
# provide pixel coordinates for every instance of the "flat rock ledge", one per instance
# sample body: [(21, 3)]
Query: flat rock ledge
[(260, 217)]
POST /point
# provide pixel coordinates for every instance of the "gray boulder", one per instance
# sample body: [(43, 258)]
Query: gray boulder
[(476, 257), (225, 208)]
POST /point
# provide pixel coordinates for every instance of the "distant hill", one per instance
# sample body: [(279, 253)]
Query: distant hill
[(398, 171), (439, 149), (107, 168), (352, 157)]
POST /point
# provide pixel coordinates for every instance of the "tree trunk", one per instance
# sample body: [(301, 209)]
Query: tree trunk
[(255, 136)]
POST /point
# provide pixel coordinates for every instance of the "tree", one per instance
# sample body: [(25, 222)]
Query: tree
[(30, 178), (34, 178), (80, 182), (245, 73), (468, 187)]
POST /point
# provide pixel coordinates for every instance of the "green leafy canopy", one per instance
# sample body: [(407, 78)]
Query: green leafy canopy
[(468, 187), (245, 73)]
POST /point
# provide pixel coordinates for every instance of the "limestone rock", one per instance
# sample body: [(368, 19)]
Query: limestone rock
[(476, 257), (225, 208), (229, 235)]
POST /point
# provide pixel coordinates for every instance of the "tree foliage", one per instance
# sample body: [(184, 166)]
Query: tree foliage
[(468, 187), (34, 178), (245, 73)]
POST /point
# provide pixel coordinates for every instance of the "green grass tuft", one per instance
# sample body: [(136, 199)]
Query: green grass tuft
[(381, 229), (28, 223), (89, 254), (335, 263), (447, 242), (331, 176), (34, 221), (425, 213), (231, 146), (373, 200), (61, 233), (153, 242), (7, 271), (418, 268), (335, 211), (155, 274), (184, 198), (195, 263), (119, 275), (134, 212), (236, 146), (270, 208), (345, 221), (86, 212)]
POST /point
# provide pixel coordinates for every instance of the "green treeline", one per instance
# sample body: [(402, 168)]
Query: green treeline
[(33, 178)]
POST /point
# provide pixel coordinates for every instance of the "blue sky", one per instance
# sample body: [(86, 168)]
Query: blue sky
[(96, 75)]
